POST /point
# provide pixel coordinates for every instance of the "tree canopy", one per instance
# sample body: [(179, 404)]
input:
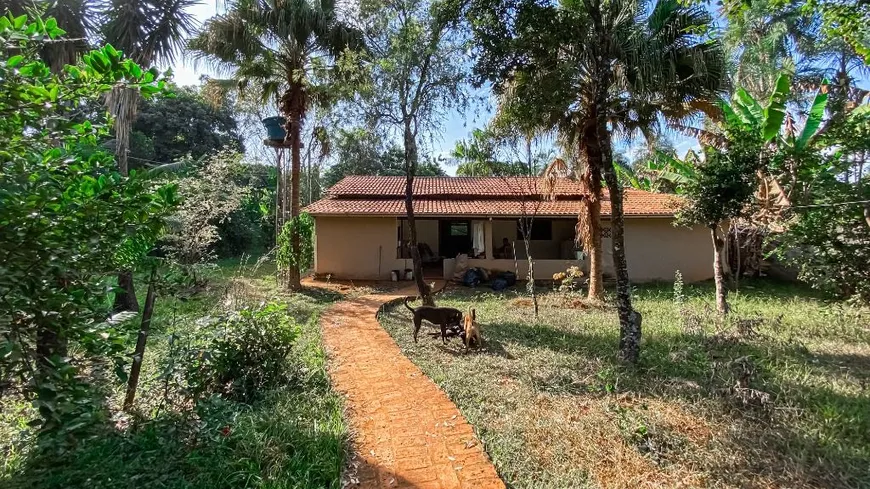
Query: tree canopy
[(185, 125), (362, 152), (69, 218)]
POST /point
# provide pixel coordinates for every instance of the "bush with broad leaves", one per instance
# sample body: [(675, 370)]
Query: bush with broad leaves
[(68, 221)]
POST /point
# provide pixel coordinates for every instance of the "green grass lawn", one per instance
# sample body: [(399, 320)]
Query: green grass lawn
[(776, 397), (293, 438)]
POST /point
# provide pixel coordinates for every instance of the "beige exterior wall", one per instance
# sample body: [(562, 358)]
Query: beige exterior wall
[(362, 248), (655, 249), (365, 248), (427, 232)]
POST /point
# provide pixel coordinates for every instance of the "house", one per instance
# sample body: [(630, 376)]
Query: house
[(361, 229)]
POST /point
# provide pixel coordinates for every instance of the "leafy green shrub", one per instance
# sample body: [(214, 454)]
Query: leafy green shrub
[(68, 219), (211, 195), (303, 258), (251, 228), (248, 356), (829, 245)]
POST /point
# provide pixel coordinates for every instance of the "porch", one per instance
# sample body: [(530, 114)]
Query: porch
[(494, 244)]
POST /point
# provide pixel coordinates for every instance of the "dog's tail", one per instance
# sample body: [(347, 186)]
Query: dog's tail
[(409, 307)]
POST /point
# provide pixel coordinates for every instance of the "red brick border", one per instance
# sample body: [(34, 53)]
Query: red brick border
[(406, 431)]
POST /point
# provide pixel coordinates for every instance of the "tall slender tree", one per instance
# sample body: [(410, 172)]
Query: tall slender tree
[(591, 67), (417, 75), (148, 32), (277, 47)]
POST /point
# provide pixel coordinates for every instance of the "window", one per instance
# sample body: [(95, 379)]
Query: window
[(458, 229), (542, 230)]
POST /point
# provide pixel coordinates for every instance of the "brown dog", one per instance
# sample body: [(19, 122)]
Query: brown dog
[(440, 316), (472, 338)]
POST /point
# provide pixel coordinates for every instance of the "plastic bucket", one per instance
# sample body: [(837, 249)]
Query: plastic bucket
[(275, 128)]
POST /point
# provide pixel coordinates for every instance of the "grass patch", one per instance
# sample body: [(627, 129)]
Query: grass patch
[(776, 397), (294, 437)]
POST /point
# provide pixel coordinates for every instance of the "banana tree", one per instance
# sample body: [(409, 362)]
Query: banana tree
[(739, 159), (798, 161), (663, 173)]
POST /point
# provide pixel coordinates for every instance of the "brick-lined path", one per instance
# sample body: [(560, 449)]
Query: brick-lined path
[(406, 432)]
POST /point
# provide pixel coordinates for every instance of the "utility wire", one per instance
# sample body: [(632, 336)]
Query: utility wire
[(147, 160), (832, 204)]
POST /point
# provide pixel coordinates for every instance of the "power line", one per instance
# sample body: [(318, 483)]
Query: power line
[(832, 204), (146, 160)]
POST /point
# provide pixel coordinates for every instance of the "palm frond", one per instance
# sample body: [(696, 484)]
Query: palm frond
[(76, 17), (706, 138), (147, 32), (171, 23), (557, 169)]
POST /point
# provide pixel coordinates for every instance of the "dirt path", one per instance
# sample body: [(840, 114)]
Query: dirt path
[(406, 432)]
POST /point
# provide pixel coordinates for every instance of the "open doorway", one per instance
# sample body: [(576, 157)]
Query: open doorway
[(454, 237)]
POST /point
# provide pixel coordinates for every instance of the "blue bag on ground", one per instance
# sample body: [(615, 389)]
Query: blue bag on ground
[(471, 278), (499, 284), (509, 277)]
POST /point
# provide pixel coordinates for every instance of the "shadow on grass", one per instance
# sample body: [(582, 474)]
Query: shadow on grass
[(490, 347), (321, 295), (785, 415), (728, 373), (225, 445)]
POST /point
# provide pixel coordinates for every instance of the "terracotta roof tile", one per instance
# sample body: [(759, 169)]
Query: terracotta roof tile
[(637, 204), (473, 196), (449, 186)]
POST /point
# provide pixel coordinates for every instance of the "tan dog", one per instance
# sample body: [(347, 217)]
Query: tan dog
[(472, 338)]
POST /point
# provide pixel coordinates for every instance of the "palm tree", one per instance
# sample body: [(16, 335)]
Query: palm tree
[(275, 46), (146, 31), (76, 17), (765, 40), (591, 67)]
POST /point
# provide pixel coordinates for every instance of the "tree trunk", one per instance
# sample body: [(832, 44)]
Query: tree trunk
[(125, 296), (529, 155), (531, 283), (292, 274), (139, 353), (718, 275), (410, 170), (629, 320), (589, 219), (49, 345), (123, 104), (51, 349), (279, 188)]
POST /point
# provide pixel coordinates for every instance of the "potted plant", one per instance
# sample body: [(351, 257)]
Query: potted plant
[(275, 128)]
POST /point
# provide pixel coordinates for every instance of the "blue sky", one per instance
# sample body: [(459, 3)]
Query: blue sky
[(456, 126)]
